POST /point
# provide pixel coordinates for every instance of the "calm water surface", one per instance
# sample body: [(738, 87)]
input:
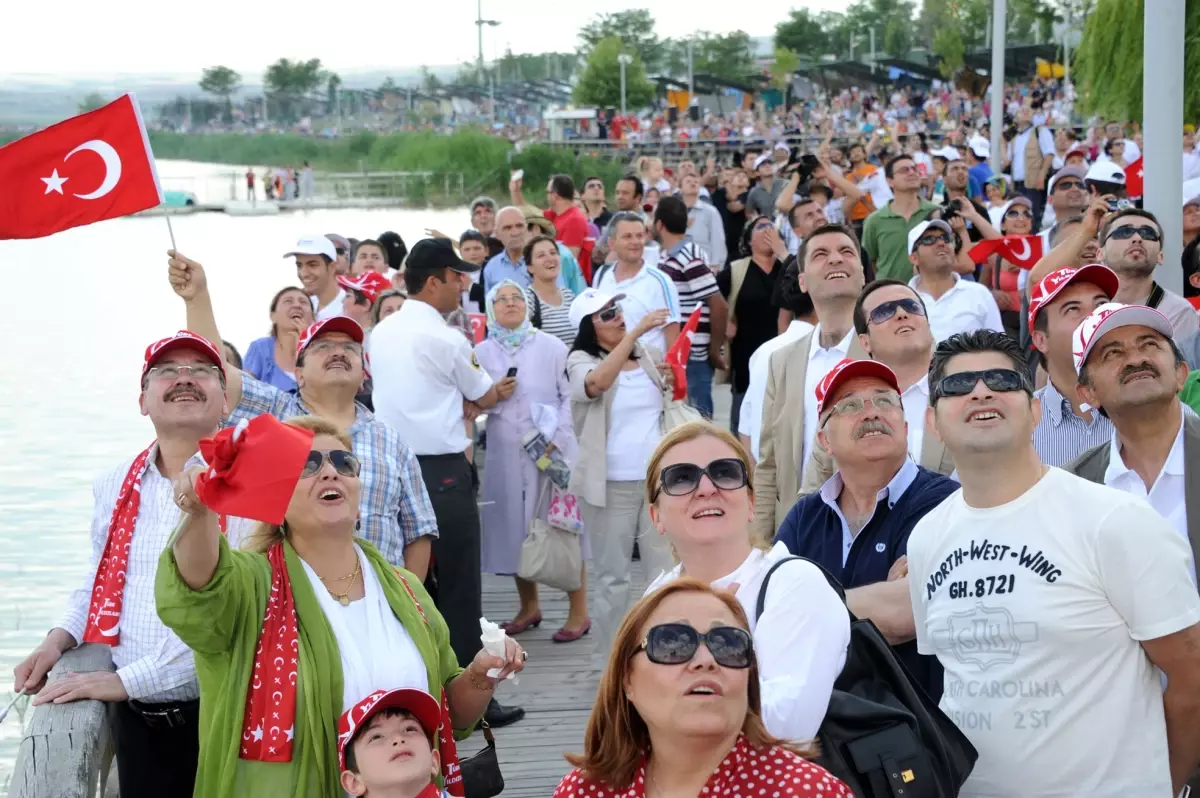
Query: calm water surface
[(77, 311)]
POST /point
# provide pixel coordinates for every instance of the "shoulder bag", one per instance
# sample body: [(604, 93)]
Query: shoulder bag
[(676, 412), (550, 556)]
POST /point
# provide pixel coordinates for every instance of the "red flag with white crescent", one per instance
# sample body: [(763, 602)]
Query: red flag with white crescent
[(681, 350), (1023, 251), (1135, 178), (88, 168)]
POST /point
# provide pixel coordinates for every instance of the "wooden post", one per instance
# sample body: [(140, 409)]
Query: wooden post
[(67, 748)]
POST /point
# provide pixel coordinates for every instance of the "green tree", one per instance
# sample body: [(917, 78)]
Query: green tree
[(333, 85), (221, 82), (723, 55), (430, 82), (948, 45), (783, 68), (634, 29), (803, 33), (91, 102), (600, 82), (897, 36), (290, 85)]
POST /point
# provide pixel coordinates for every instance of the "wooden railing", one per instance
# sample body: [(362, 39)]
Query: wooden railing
[(66, 751)]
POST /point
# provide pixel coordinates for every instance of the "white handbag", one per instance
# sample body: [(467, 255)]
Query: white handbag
[(550, 556), (676, 412)]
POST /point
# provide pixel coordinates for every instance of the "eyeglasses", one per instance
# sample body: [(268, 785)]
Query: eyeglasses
[(171, 373), (853, 405), (1068, 184), (677, 643), (999, 380), (1147, 232), (608, 314), (1016, 213), (682, 479), (342, 461), (885, 310), (510, 299), (929, 239), (323, 346), (903, 170)]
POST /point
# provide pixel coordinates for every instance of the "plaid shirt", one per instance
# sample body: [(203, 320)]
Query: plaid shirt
[(395, 507)]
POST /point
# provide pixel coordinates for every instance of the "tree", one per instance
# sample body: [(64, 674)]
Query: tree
[(729, 56), (634, 29), (91, 102), (333, 84), (948, 45), (804, 34), (897, 37), (290, 84), (221, 82), (429, 81), (783, 68), (600, 83)]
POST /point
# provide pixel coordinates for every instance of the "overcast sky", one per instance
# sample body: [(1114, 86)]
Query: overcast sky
[(147, 36)]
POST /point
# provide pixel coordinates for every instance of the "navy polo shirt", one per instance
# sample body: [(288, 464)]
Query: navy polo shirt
[(815, 528)]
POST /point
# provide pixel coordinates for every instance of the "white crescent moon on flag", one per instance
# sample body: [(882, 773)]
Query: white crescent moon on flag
[(1025, 251), (112, 166)]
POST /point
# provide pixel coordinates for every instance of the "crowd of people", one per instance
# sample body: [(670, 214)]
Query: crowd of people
[(986, 460)]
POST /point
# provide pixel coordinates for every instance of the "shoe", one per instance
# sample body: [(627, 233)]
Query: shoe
[(565, 635), (512, 628), (497, 715)]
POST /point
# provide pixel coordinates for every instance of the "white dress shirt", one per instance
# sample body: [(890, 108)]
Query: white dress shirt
[(915, 401), (1016, 149), (336, 307), (750, 418), (966, 307), (820, 362), (422, 370), (152, 662)]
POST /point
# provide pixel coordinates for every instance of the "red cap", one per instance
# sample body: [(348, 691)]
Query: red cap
[(371, 284), (847, 370), (180, 340), (1053, 283), (421, 704), (1109, 317), (342, 324)]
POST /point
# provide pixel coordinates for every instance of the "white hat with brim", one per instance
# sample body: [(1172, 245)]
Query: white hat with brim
[(915, 234), (980, 147), (948, 154), (1106, 172), (313, 245), (765, 158), (590, 301), (1109, 317)]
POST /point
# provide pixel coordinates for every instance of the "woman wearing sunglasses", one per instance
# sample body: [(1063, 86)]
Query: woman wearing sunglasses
[(678, 710), (1001, 276), (701, 499), (617, 401), (295, 628)]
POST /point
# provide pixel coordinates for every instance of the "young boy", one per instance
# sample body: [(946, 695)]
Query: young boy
[(387, 745)]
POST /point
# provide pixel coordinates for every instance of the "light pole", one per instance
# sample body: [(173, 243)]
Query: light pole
[(479, 23), (625, 60), (999, 31), (691, 73), (1162, 123)]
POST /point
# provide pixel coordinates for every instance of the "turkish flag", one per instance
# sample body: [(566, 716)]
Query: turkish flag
[(1023, 251), (1135, 178), (478, 326), (91, 167), (253, 468), (677, 356)]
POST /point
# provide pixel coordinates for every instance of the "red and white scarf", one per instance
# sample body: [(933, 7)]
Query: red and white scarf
[(108, 591), (269, 719)]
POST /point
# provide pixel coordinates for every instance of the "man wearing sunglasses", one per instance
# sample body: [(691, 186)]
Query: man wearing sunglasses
[(1068, 196), (857, 525), (1050, 601), (1132, 240), (954, 305)]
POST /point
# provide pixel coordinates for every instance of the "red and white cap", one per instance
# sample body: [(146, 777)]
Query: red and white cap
[(342, 324), (1109, 317), (370, 284), (421, 704), (1053, 283), (180, 340), (847, 370)]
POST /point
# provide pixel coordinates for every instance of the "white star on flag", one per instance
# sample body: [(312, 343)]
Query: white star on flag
[(257, 734), (54, 182), (291, 732)]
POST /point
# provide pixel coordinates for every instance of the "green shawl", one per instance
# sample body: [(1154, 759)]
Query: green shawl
[(221, 624)]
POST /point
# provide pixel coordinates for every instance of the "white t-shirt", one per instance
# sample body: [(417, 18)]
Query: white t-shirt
[(1036, 609), (422, 370), (646, 291), (333, 309), (634, 428), (800, 654)]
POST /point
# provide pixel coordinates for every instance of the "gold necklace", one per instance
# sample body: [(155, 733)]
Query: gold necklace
[(343, 598)]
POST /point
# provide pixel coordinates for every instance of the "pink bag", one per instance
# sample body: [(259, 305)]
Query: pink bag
[(564, 511)]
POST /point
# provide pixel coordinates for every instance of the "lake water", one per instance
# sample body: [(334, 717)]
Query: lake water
[(90, 301)]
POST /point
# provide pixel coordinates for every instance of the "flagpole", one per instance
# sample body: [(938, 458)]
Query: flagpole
[(170, 230), (11, 704)]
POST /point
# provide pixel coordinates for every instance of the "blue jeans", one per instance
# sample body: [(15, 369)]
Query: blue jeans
[(699, 386)]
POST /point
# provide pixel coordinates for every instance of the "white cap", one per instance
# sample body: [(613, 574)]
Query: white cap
[(762, 159), (588, 302), (782, 145), (915, 234), (1106, 172), (313, 245), (980, 146), (948, 153), (1109, 317)]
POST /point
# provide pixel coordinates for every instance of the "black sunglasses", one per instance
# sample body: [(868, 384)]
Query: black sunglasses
[(677, 643), (886, 310), (680, 479), (343, 462), (1068, 184), (1147, 232), (609, 313), (998, 380), (932, 238)]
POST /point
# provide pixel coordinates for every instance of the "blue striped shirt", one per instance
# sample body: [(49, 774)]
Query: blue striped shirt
[(1061, 436), (395, 506)]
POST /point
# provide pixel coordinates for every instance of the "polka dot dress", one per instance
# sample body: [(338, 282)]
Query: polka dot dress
[(746, 773)]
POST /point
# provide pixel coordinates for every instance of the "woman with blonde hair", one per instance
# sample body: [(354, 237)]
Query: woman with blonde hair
[(678, 710), (698, 486), (294, 629)]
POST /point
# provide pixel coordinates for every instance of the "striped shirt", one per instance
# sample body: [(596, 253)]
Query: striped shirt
[(152, 662), (1061, 436), (695, 282), (395, 506), (554, 319)]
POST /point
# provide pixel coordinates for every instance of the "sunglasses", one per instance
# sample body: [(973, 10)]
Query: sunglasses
[(609, 313), (1014, 214), (677, 643), (1068, 184), (682, 479), (1147, 232), (885, 310), (932, 238), (998, 380), (343, 462)]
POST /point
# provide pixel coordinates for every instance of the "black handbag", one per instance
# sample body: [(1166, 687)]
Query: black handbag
[(481, 773)]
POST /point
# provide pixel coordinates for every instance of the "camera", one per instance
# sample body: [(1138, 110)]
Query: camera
[(1115, 204)]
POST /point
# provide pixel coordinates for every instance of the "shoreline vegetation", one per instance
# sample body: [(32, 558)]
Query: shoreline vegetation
[(485, 161)]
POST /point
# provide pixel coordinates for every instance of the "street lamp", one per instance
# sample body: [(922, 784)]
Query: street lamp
[(479, 23), (625, 60)]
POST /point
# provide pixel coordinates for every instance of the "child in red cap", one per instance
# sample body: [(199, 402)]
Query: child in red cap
[(387, 745)]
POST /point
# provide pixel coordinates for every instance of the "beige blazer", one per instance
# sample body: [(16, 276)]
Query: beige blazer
[(822, 465), (781, 444), (589, 475)]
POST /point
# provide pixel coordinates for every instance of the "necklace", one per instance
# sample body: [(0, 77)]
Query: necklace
[(343, 598)]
